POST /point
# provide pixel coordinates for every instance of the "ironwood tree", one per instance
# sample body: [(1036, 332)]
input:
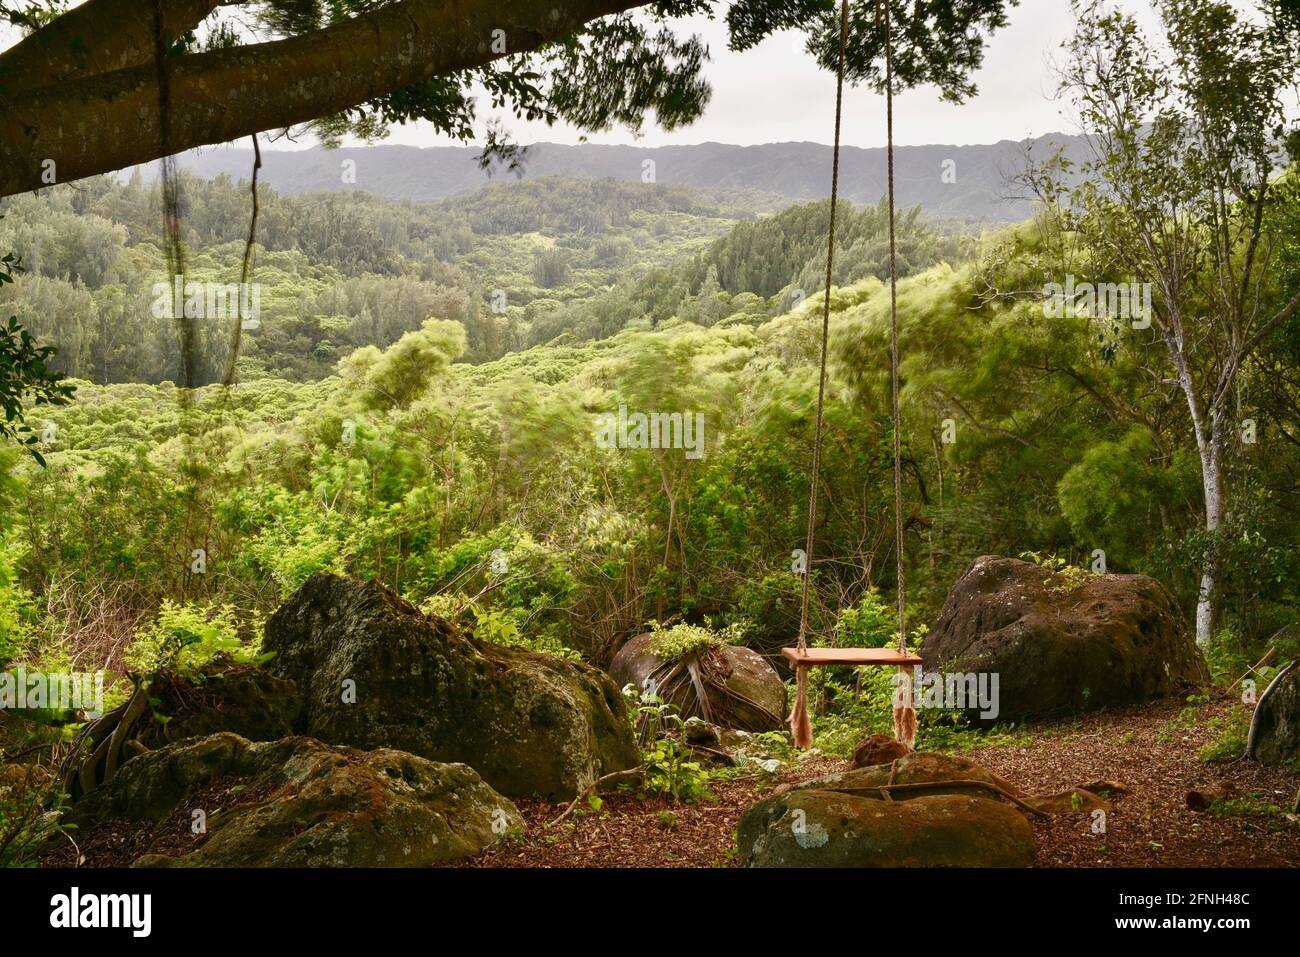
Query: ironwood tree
[(87, 90)]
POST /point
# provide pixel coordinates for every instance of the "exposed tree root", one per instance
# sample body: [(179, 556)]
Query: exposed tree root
[(1252, 738), (697, 686), (886, 789), (627, 774), (97, 755)]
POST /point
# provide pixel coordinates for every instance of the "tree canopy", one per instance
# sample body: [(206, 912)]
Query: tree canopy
[(111, 83)]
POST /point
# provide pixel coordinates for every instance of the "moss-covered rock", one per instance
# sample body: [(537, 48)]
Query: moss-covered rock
[(811, 828), (376, 672), (1063, 644), (227, 697), (919, 810), (921, 772), (299, 803), (1275, 727), (744, 692)]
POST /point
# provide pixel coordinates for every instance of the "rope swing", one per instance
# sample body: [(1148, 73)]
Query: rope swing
[(802, 657)]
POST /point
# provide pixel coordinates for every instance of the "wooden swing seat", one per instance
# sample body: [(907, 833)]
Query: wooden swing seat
[(814, 657)]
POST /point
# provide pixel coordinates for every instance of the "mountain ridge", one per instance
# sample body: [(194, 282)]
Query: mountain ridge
[(948, 181)]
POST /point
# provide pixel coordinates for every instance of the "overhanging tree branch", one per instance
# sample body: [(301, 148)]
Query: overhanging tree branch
[(99, 36), (106, 122)]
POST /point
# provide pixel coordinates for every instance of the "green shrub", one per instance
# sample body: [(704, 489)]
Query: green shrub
[(188, 637), (16, 605), (1230, 733), (681, 641), (666, 760), (1071, 577), (28, 816), (500, 626), (872, 623)]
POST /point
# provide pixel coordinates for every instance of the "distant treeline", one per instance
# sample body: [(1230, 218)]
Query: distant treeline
[(517, 264)]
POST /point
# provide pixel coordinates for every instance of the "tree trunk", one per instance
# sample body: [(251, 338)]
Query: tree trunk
[(1212, 479), (668, 541), (1209, 444)]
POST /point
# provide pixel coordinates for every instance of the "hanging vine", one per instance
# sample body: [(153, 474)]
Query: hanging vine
[(109, 741)]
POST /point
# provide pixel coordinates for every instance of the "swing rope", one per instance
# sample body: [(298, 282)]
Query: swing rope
[(904, 713), (826, 321)]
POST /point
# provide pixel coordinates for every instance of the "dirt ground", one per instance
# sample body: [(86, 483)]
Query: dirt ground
[(1152, 750)]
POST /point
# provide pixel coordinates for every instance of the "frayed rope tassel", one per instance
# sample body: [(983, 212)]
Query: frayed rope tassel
[(904, 713), (800, 722)]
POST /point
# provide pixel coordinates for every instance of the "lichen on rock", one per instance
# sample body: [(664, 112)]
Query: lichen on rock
[(376, 672)]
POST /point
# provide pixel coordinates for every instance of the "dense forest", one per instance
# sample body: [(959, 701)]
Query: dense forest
[(473, 430), (516, 265)]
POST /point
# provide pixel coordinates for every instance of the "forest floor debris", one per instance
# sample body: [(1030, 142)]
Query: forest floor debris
[(1153, 750)]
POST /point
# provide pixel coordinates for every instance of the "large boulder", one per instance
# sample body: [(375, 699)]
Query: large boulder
[(1061, 644), (299, 803), (812, 828), (231, 697), (1275, 728), (919, 810), (375, 672), (743, 691)]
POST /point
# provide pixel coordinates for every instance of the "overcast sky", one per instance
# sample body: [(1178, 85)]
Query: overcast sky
[(775, 93)]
